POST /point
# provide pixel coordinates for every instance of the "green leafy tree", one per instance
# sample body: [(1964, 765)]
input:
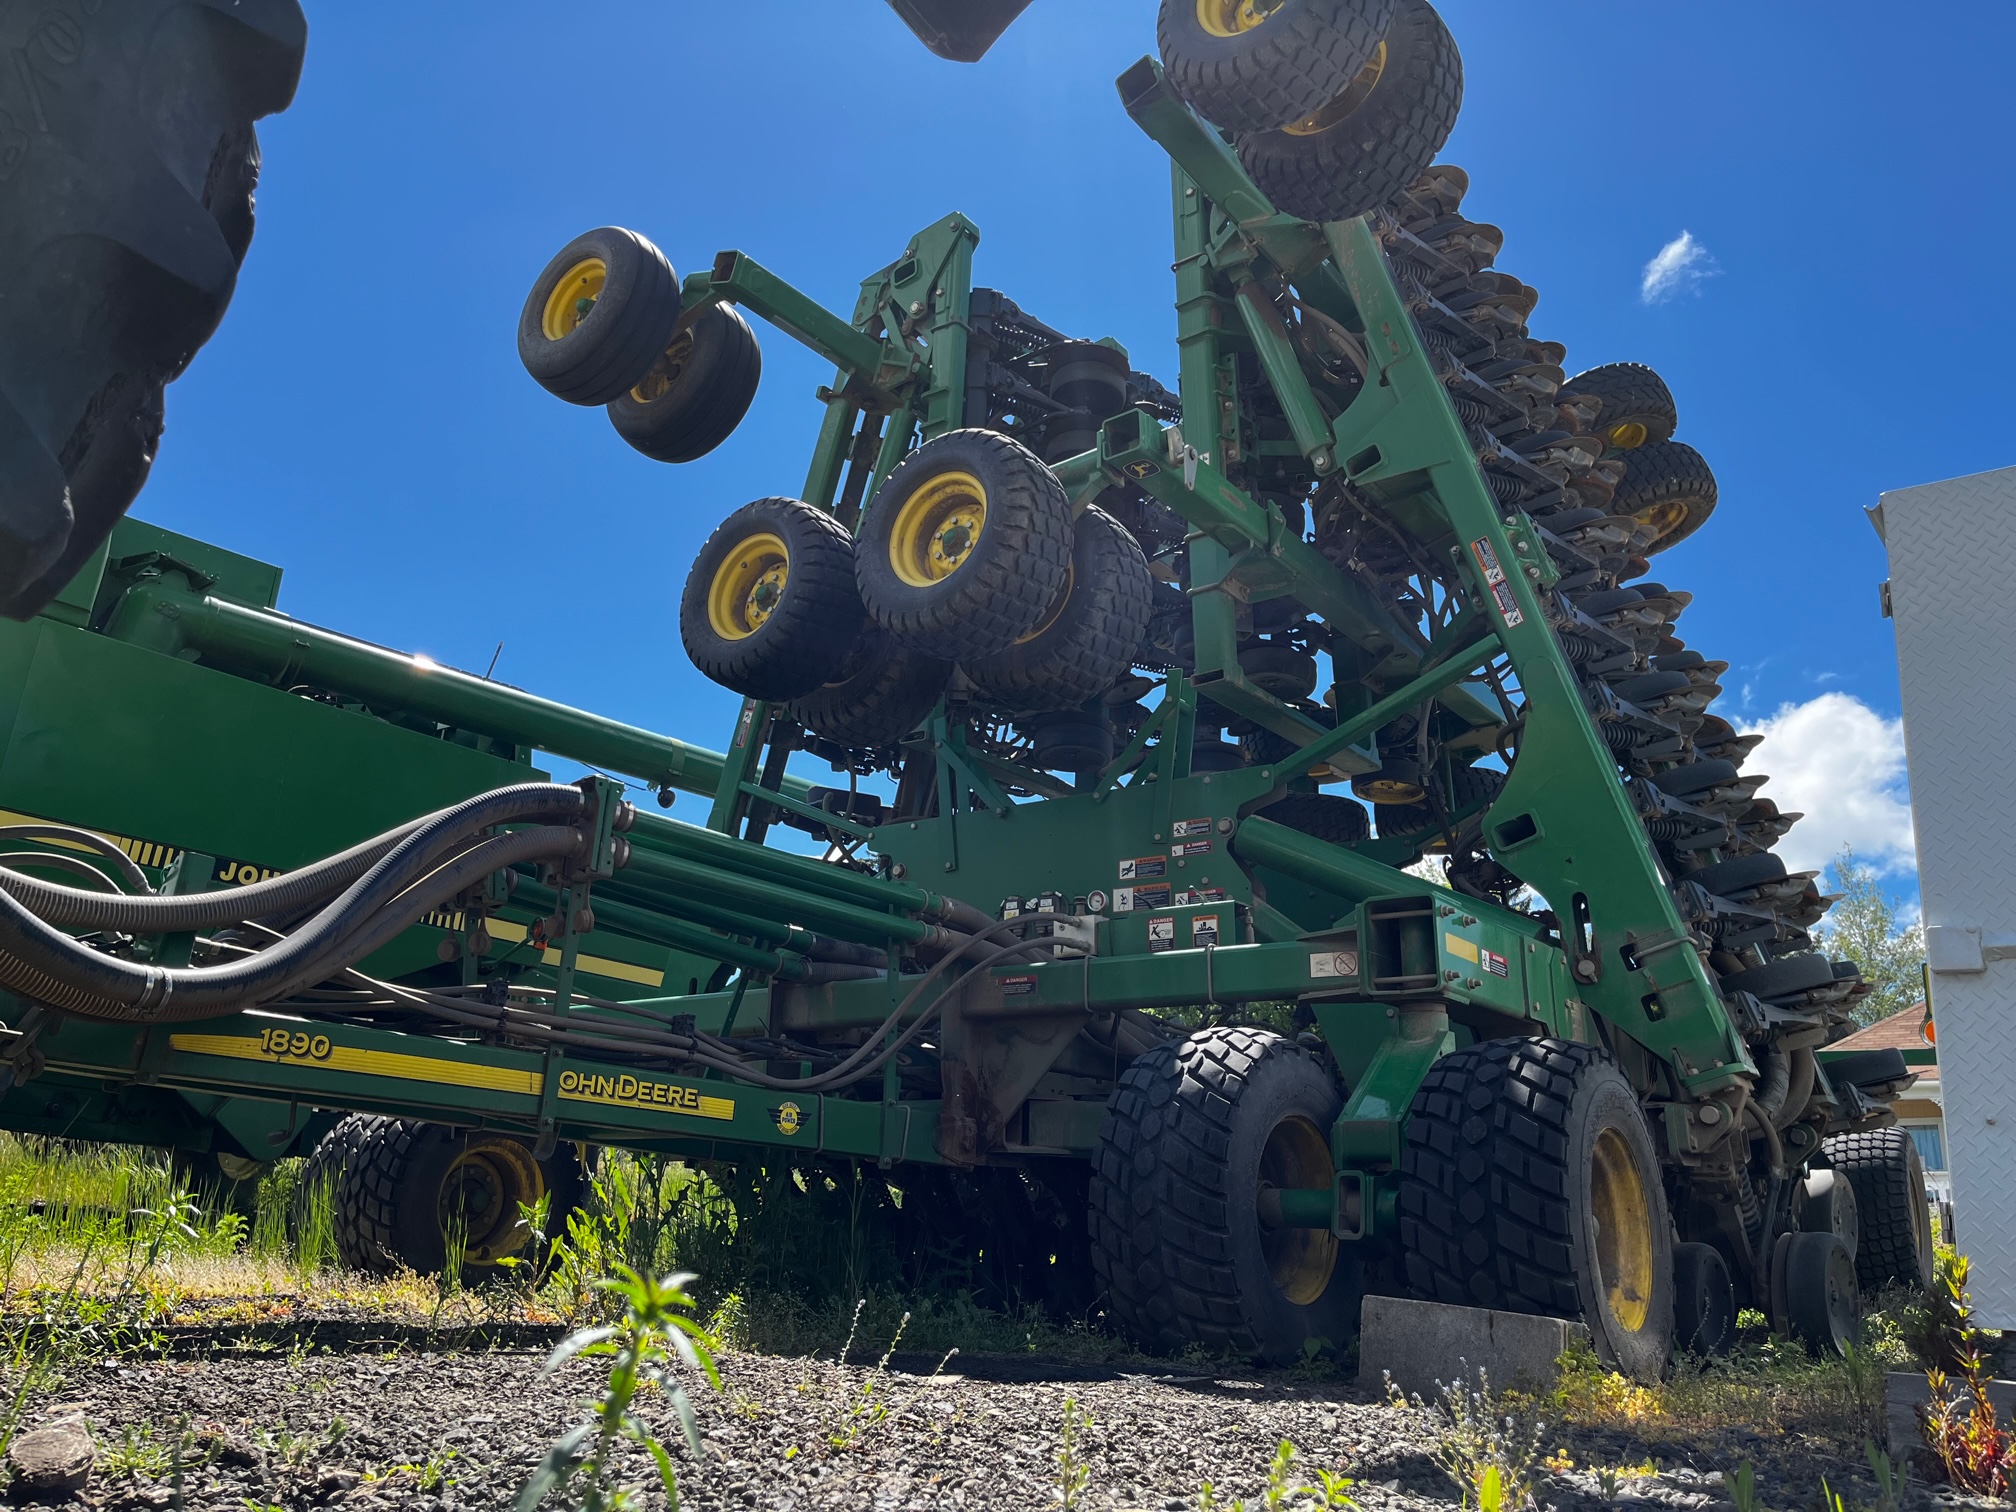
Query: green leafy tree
[(1862, 927)]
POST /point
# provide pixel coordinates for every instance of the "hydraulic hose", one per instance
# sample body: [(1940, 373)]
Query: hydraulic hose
[(42, 963), (89, 839), (77, 908)]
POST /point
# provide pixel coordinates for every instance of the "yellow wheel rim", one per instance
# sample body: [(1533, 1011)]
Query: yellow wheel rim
[(657, 383), (1354, 95), (480, 1199), (748, 586), (1300, 1261), (1623, 1217), (1233, 18), (573, 297), (1665, 518), (1627, 435), (937, 528)]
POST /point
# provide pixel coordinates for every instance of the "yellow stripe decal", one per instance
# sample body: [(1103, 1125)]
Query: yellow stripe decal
[(626, 1091), (301, 1047), (602, 966), (1456, 945)]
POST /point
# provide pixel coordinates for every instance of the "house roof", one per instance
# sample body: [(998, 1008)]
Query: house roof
[(1900, 1031)]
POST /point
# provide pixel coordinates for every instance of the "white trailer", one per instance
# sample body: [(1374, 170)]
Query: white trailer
[(1952, 598)]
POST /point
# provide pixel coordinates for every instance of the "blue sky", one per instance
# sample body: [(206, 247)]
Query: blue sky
[(362, 420)]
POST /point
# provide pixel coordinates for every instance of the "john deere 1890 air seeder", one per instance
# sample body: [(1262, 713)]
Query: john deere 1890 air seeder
[(1143, 706)]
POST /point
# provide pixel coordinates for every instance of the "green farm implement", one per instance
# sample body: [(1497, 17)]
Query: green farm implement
[(1325, 690)]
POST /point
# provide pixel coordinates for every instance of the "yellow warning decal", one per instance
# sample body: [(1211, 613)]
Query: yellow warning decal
[(626, 1091), (300, 1047), (1456, 945), (602, 966)]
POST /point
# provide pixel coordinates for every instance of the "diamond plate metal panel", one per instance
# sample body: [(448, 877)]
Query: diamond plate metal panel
[(1952, 552)]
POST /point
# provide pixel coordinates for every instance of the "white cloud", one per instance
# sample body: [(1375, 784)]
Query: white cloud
[(1680, 266), (1841, 764)]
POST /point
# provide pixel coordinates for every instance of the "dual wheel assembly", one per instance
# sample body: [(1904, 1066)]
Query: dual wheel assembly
[(1529, 1182), (968, 555)]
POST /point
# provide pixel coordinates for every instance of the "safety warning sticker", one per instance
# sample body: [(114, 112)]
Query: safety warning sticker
[(1144, 866), (1190, 848), (1495, 583), (1183, 829), (1130, 899)]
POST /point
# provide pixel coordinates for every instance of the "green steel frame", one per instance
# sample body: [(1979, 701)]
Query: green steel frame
[(153, 702)]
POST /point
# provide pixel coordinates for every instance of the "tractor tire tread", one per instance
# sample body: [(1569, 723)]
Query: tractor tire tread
[(1297, 63)]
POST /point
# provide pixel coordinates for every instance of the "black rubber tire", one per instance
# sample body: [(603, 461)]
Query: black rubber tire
[(1826, 1205), (1704, 1301), (1727, 878), (1495, 1190), (805, 639), (1895, 1240), (1087, 639), (1007, 579), (126, 155), (1867, 1068), (696, 393), (1324, 816), (1664, 476), (1692, 777), (1783, 977), (609, 349), (1823, 1304), (325, 1168), (1288, 674), (882, 692), (1468, 785), (1637, 405), (392, 1194), (125, 434), (1300, 58), (1175, 1228), (1367, 158)]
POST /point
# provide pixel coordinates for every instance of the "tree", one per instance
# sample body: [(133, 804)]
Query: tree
[(1862, 927)]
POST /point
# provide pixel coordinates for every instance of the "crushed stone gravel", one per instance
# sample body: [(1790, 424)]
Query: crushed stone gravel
[(369, 1432)]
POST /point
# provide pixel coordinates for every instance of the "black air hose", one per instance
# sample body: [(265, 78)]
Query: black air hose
[(289, 893), (89, 839), (44, 964)]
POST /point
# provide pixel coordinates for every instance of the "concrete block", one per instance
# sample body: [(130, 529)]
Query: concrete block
[(1421, 1343), (1905, 1391)]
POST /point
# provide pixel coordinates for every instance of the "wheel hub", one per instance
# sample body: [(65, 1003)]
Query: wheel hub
[(748, 586), (573, 298), (1233, 18)]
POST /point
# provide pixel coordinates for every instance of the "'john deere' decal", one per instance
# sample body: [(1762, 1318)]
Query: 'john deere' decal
[(626, 1091)]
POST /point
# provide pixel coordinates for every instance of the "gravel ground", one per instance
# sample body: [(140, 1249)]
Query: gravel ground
[(463, 1430)]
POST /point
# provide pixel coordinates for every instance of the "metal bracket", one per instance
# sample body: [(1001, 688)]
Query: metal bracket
[(1962, 949)]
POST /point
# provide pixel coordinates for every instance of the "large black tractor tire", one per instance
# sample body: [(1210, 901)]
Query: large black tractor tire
[(1086, 640), (1323, 816), (1360, 151), (1637, 405), (965, 546), (1252, 65), (405, 1190), (1668, 484), (770, 610), (881, 693), (1467, 785), (599, 316), (1893, 1218), (1193, 1132), (127, 161), (696, 392), (1529, 1182)]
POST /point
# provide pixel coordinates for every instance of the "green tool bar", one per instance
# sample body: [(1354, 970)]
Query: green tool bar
[(642, 924), (1420, 690), (1214, 167), (740, 279), (843, 921), (474, 1085), (1135, 449), (274, 647), (656, 832)]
